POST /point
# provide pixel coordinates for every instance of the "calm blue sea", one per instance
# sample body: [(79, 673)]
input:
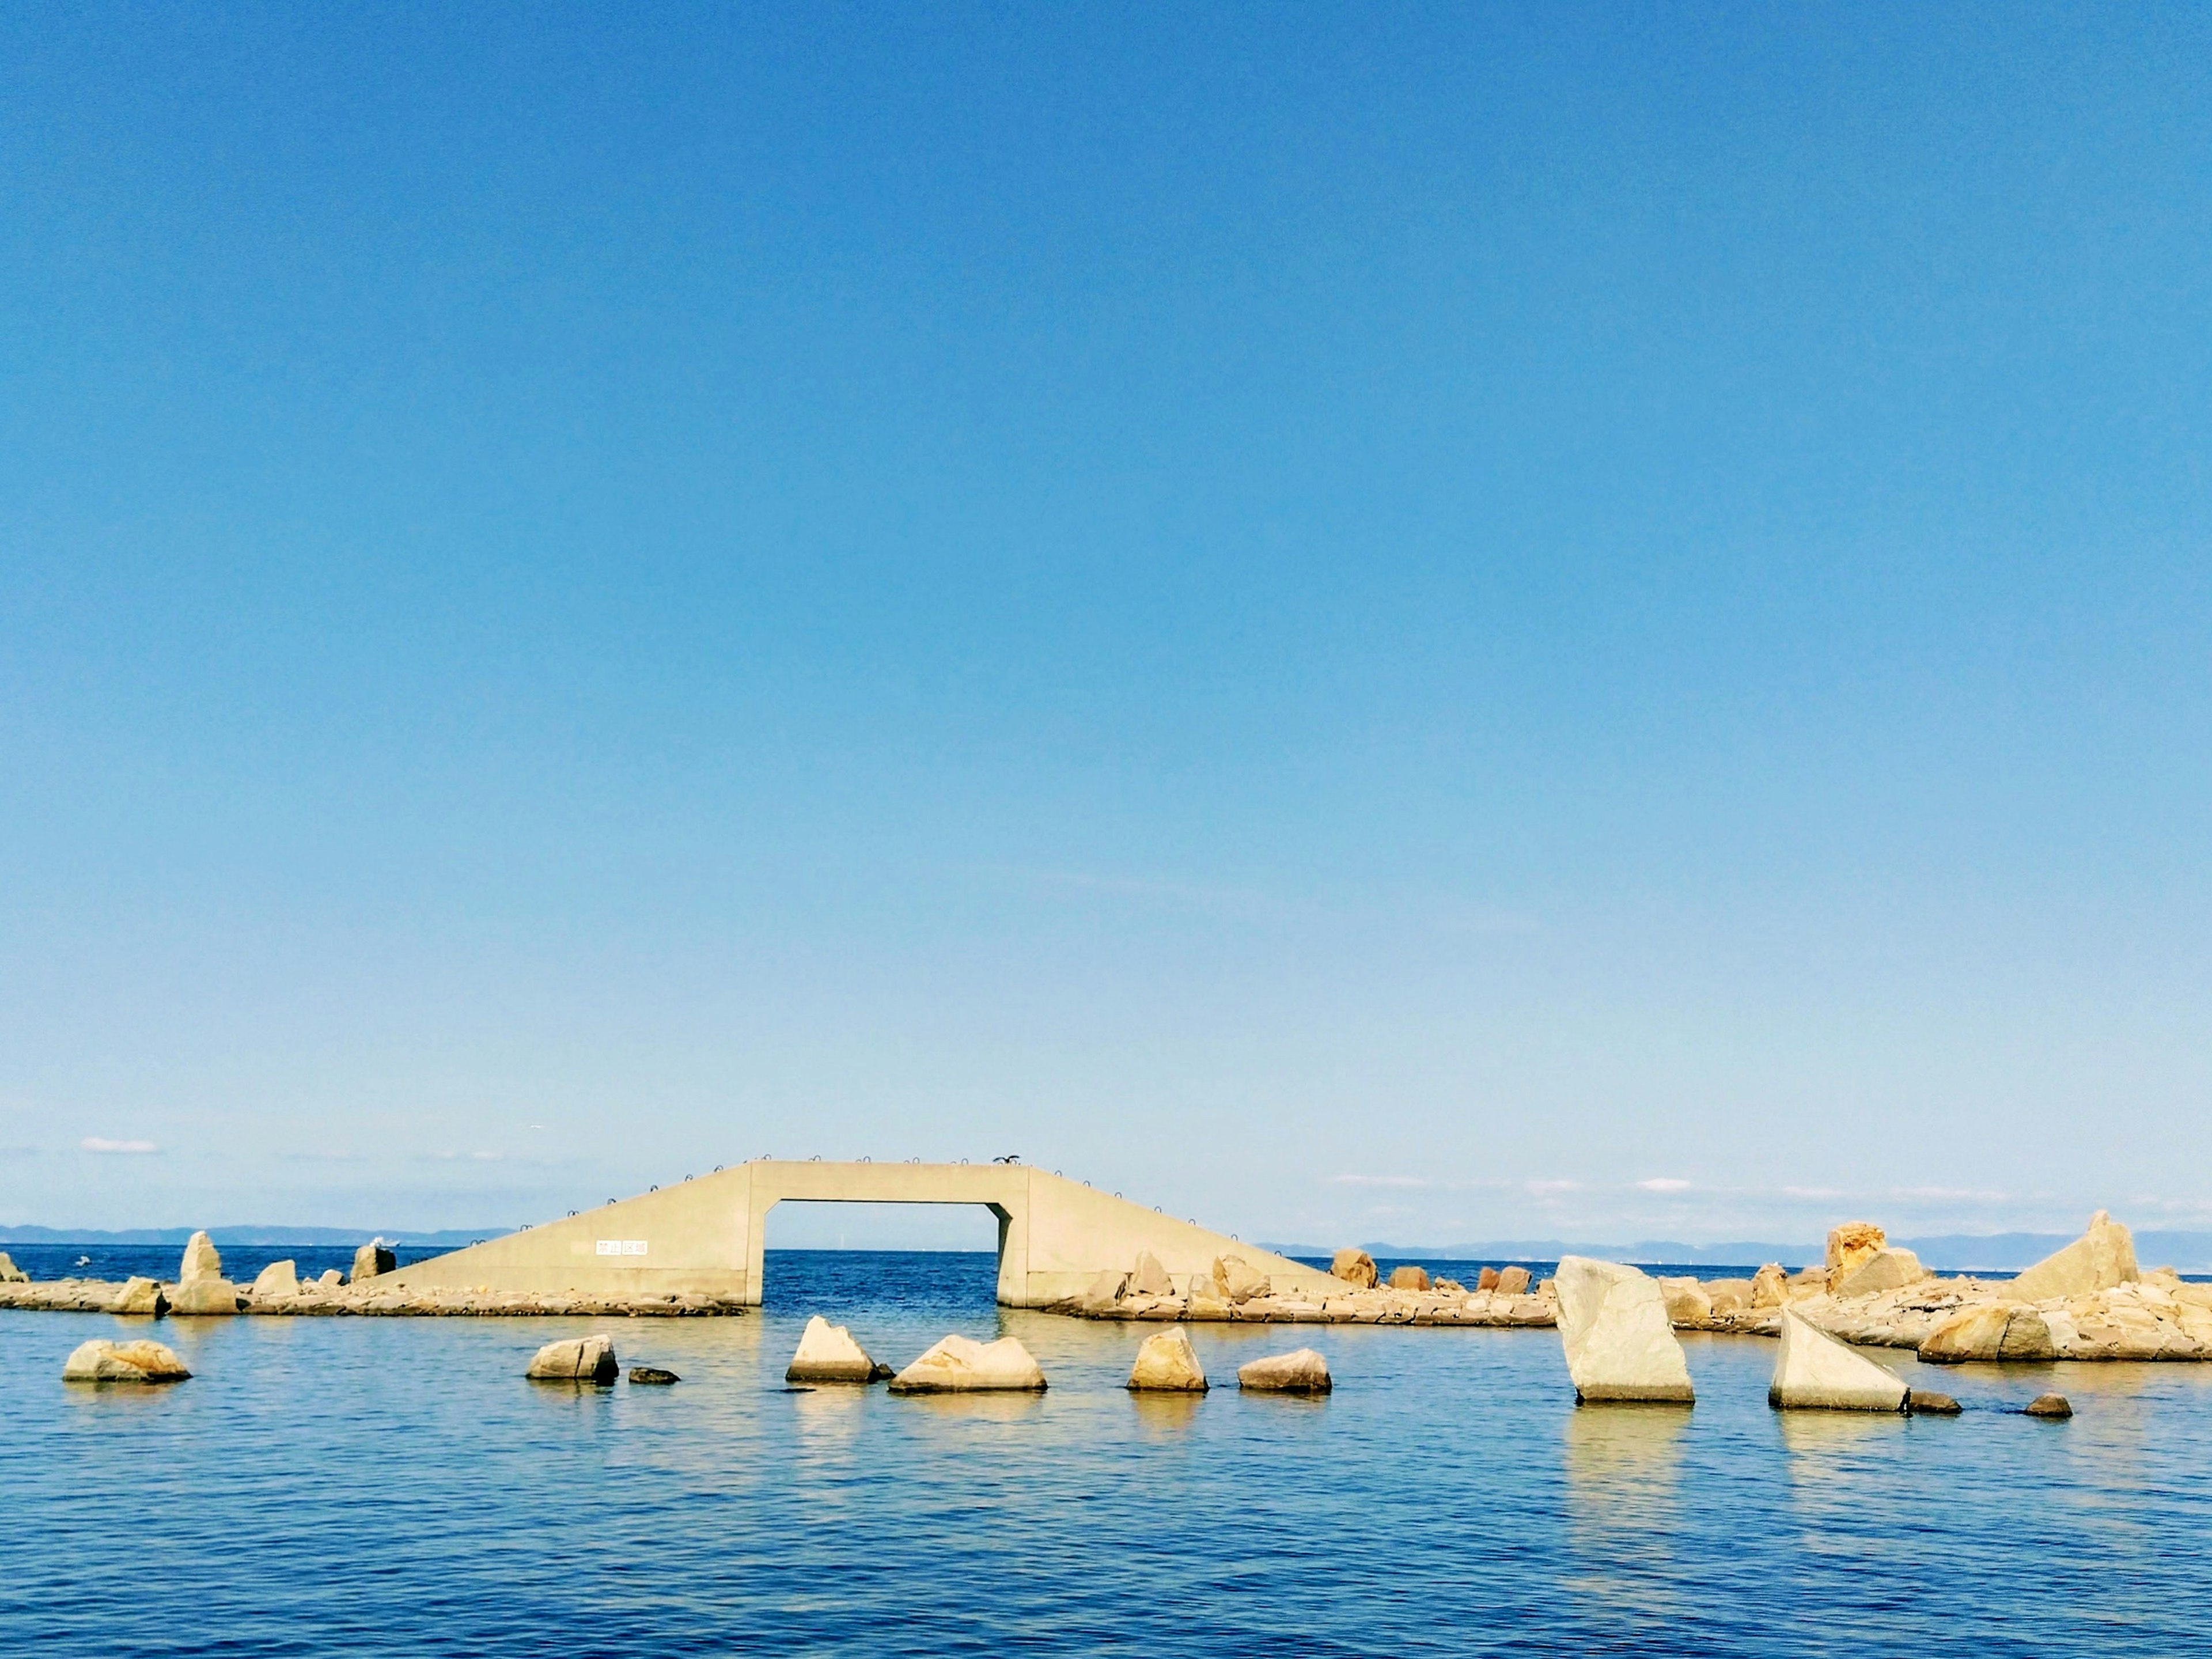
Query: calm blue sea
[(377, 1486)]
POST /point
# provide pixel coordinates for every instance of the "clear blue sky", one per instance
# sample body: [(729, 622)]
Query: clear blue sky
[(1416, 623)]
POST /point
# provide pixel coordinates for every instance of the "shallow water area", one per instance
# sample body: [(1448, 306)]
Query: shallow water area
[(391, 1487)]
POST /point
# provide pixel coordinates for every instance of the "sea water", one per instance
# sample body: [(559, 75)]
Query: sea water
[(340, 1486)]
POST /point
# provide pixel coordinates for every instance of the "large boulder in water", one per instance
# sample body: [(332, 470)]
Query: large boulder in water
[(2101, 1258), (1300, 1372), (205, 1296), (1888, 1268), (139, 1296), (1620, 1343), (1168, 1363), (960, 1365), (201, 1261), (372, 1260), (279, 1279), (828, 1353), (123, 1362), (1814, 1370), (580, 1359)]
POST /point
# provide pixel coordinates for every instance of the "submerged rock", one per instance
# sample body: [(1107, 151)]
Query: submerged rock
[(828, 1353), (1354, 1268), (139, 1296), (2050, 1405), (278, 1279), (1168, 1363), (579, 1360), (1815, 1371), (960, 1365), (1302, 1371), (2101, 1258), (1927, 1402), (101, 1361), (201, 1261), (205, 1296), (651, 1376), (1620, 1343)]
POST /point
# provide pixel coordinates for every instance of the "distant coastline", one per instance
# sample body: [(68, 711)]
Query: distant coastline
[(1946, 1253)]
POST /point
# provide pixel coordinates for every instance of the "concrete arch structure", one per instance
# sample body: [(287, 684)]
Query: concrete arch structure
[(708, 1236)]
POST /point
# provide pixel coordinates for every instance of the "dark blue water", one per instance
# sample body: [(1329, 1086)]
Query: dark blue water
[(392, 1487)]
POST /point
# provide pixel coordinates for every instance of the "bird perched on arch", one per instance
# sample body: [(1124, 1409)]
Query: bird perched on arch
[(1011, 1157)]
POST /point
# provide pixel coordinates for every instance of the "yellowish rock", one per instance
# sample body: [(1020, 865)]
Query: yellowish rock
[(960, 1365), (1354, 1266), (205, 1296), (100, 1361), (580, 1359), (1770, 1286), (1300, 1372), (2103, 1257), (1149, 1278), (1851, 1246), (279, 1279), (1889, 1268), (1239, 1281), (201, 1261), (9, 1273), (828, 1353), (1168, 1363), (1512, 1281), (139, 1296), (1686, 1301)]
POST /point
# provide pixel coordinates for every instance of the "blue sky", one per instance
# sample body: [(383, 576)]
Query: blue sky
[(1433, 623)]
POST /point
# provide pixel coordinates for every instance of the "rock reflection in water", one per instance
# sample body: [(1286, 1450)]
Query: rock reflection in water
[(1623, 1465)]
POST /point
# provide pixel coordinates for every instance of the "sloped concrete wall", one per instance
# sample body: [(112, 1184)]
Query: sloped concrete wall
[(709, 1235)]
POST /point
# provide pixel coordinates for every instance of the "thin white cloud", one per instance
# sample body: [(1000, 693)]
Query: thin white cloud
[(102, 1144), (1545, 1188), (1664, 1184), (1379, 1181)]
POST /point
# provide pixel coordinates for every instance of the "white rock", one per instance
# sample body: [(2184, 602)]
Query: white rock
[(2101, 1258), (828, 1353), (276, 1280), (1168, 1362), (202, 1260), (1814, 1370), (330, 1278), (1302, 1371), (123, 1362), (1620, 1343), (580, 1359), (960, 1365)]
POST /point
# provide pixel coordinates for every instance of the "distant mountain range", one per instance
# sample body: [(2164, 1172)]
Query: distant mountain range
[(452, 1238), (2191, 1253)]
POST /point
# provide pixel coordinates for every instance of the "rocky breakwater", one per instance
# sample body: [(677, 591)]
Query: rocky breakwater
[(2087, 1301), (1230, 1289), (201, 1289)]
